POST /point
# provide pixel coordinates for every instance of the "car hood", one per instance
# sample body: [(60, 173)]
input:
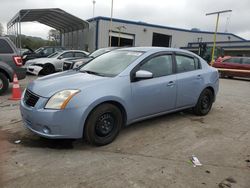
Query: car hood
[(49, 85)]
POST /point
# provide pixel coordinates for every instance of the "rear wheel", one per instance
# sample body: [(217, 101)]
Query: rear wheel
[(4, 83), (204, 103), (48, 69), (103, 125)]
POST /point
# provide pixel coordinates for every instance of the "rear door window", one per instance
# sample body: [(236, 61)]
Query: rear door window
[(232, 60), (80, 54), (186, 63), (246, 61), (5, 48)]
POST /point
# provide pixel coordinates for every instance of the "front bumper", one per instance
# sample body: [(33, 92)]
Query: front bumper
[(34, 69), (67, 123)]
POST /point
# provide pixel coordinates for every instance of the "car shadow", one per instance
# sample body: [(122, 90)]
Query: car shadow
[(237, 78), (163, 118), (28, 139)]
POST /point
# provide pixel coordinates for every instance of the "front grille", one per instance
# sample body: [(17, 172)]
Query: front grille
[(30, 99), (66, 66)]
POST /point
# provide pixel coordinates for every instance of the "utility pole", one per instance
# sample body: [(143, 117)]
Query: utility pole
[(216, 28), (110, 27), (94, 8)]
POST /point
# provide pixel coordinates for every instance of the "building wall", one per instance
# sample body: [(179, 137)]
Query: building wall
[(144, 34)]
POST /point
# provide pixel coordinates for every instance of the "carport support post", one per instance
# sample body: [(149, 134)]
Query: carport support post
[(20, 34), (110, 27)]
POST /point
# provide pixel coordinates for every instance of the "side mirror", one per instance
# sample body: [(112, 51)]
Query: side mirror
[(60, 57), (142, 74)]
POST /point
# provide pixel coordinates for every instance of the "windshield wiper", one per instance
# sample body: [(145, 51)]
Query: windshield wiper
[(92, 72)]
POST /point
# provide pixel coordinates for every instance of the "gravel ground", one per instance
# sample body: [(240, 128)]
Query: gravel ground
[(152, 153)]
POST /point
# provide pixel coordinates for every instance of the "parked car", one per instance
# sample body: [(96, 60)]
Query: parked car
[(116, 89), (10, 63), (40, 52), (52, 63), (234, 67), (24, 51), (77, 62)]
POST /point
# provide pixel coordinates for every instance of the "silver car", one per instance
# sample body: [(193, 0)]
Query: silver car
[(53, 62), (116, 89)]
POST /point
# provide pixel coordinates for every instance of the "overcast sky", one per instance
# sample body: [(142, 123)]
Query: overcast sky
[(176, 13)]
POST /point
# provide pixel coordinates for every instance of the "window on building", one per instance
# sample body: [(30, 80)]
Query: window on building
[(161, 40)]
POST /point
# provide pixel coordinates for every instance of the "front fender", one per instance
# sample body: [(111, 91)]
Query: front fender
[(89, 109)]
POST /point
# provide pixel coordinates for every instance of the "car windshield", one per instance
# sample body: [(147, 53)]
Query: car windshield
[(98, 53), (111, 64), (53, 55), (39, 50)]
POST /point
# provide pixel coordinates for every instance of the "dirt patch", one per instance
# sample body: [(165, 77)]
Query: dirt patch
[(36, 141), (227, 183), (2, 155), (200, 120)]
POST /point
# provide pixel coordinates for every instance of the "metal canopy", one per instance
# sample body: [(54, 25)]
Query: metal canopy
[(54, 17)]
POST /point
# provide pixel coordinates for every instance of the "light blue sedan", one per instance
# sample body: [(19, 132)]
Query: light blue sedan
[(116, 89)]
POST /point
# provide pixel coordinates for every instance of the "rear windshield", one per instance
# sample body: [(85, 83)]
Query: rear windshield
[(5, 48)]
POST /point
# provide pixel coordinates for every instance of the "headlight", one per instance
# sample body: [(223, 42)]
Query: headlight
[(61, 99), (78, 64)]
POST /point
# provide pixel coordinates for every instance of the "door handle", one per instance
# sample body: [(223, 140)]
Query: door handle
[(170, 83)]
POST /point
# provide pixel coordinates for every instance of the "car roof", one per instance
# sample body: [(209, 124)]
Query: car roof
[(156, 49), (73, 51)]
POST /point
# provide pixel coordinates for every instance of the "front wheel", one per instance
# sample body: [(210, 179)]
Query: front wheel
[(103, 125), (48, 69), (204, 103)]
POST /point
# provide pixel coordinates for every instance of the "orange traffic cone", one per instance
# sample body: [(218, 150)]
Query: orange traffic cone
[(16, 91)]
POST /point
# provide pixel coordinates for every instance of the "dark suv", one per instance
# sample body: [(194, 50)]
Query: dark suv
[(10, 63)]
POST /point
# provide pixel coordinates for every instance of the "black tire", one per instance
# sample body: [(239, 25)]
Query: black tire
[(48, 69), (4, 83), (103, 125), (204, 103)]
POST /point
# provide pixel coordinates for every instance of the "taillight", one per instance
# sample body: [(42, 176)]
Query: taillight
[(18, 60)]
